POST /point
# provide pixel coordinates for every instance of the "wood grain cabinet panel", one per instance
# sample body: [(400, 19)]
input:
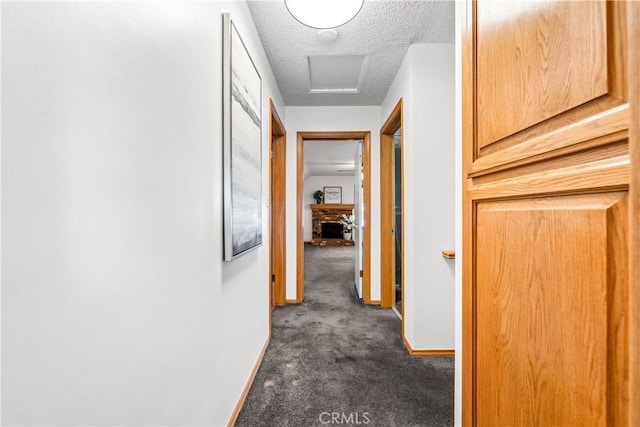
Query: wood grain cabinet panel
[(548, 75), (550, 61), (547, 274), (547, 261)]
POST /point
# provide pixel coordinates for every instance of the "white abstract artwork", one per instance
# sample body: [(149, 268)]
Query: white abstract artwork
[(242, 148)]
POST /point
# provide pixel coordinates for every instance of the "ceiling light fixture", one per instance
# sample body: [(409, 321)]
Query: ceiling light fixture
[(327, 36), (322, 14)]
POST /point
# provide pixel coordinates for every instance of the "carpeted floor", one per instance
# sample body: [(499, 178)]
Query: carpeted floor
[(332, 360)]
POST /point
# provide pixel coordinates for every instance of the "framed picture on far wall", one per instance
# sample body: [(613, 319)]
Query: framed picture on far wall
[(332, 195), (242, 146)]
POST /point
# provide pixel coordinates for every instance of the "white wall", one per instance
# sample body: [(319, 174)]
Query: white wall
[(306, 119), (313, 183), (458, 216), (426, 83), (117, 308)]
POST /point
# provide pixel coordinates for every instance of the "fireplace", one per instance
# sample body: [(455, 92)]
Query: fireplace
[(331, 230), (326, 224)]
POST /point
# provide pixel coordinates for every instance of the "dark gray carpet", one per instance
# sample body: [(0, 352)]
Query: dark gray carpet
[(332, 360)]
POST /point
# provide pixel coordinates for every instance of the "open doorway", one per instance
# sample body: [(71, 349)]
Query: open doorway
[(391, 211), (364, 224), (397, 205)]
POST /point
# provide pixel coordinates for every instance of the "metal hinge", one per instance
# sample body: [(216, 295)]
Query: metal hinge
[(361, 274)]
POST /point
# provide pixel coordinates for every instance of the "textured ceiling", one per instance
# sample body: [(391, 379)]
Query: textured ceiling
[(383, 31), (330, 158)]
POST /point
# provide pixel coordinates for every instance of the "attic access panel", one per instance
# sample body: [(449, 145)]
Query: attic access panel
[(336, 74)]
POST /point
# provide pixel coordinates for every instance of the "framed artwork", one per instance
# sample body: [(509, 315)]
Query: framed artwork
[(332, 194), (242, 146)]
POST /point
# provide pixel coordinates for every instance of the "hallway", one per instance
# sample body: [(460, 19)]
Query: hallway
[(520, 158), (332, 355)]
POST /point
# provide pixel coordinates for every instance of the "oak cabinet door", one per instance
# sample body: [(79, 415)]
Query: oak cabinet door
[(546, 213)]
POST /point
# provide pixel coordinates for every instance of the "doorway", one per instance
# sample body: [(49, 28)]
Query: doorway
[(397, 204), (277, 204), (391, 211), (366, 197)]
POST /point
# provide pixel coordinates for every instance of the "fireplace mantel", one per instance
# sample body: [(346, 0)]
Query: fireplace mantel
[(328, 213), (333, 207)]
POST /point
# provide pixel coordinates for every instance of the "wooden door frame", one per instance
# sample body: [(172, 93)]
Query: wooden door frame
[(277, 208), (365, 136), (394, 122)]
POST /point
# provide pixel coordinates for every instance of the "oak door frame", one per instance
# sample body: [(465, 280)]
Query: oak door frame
[(365, 136), (394, 121), (277, 208)]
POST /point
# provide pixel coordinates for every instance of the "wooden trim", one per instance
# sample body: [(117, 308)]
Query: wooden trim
[(468, 154), (366, 197), (333, 136), (449, 254), (277, 209), (300, 233), (278, 128), (270, 280), (247, 386), (634, 212), (387, 251), (387, 212), (366, 160), (374, 302), (292, 301), (330, 206), (402, 192), (394, 120), (449, 352), (427, 352)]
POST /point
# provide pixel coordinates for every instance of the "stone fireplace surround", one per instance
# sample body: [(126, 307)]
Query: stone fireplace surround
[(328, 213)]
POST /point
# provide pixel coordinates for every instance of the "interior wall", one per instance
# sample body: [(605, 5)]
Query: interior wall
[(426, 83), (326, 119), (457, 417), (116, 303), (316, 182)]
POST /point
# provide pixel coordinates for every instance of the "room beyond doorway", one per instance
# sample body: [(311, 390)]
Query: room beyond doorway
[(365, 161)]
